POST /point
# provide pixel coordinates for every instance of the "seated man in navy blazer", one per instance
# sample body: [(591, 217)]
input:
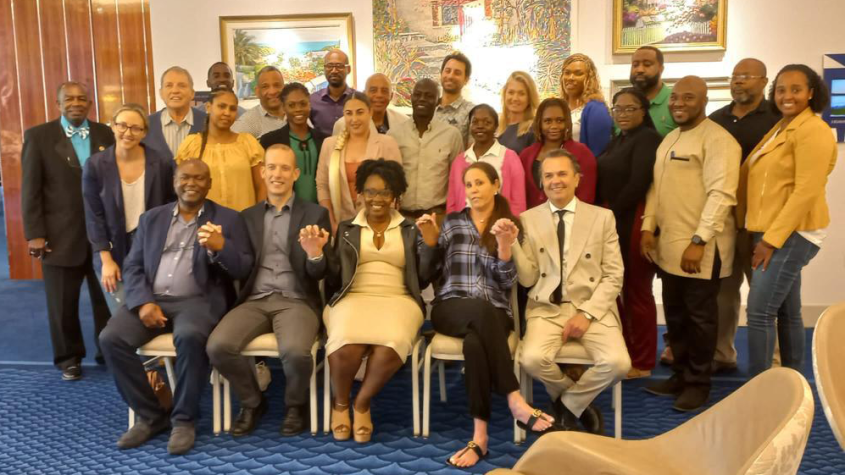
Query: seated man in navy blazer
[(178, 279), (281, 295)]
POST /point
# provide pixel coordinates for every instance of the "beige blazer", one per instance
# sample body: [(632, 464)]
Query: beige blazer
[(694, 192), (594, 262)]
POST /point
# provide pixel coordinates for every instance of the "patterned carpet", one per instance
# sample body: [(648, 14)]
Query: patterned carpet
[(50, 426)]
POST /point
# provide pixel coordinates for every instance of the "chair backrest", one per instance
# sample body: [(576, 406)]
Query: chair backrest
[(515, 312), (829, 367), (762, 426)]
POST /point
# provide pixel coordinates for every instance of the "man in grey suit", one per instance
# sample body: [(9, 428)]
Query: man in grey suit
[(570, 259), (280, 296)]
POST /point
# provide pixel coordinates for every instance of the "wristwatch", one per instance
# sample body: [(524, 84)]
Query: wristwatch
[(696, 239)]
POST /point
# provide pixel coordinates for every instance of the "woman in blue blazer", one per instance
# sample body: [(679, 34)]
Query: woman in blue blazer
[(118, 185), (581, 89)]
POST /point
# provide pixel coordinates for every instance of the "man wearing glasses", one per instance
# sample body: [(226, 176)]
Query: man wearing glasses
[(748, 118), (327, 104)]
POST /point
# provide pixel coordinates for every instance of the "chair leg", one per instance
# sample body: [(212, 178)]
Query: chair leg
[(327, 395), (415, 386), (426, 391), (131, 418), (171, 374), (441, 375), (215, 400), (517, 432), (227, 405), (617, 407), (313, 387)]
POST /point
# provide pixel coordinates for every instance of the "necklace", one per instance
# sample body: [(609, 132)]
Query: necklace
[(377, 232)]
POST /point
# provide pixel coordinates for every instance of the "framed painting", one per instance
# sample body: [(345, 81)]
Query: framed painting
[(671, 25), (411, 38), (296, 44)]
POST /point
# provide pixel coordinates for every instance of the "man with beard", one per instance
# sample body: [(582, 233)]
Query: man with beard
[(748, 118), (379, 92), (428, 147), (268, 115), (688, 231), (646, 72), (327, 104), (170, 126), (453, 108), (220, 77)]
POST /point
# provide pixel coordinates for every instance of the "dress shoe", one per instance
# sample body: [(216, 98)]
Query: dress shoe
[(141, 432), (667, 358), (724, 367), (669, 387), (635, 373), (99, 359), (567, 420), (294, 422), (181, 439), (72, 372), (592, 420), (248, 418), (691, 399)]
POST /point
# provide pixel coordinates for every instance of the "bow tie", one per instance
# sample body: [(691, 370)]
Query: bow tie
[(71, 130)]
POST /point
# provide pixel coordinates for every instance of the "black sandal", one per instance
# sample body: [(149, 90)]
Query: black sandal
[(536, 415), (470, 446)]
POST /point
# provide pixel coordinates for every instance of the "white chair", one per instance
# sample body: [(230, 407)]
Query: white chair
[(443, 348), (162, 348), (829, 367), (267, 346), (573, 352), (415, 388)]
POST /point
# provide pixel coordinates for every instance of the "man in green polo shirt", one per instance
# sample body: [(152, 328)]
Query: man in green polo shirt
[(646, 71)]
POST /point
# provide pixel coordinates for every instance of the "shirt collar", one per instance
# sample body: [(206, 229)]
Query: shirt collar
[(66, 123), (324, 94), (495, 151), (762, 108), (396, 219), (175, 212), (455, 105), (166, 119), (662, 96), (288, 204), (570, 207)]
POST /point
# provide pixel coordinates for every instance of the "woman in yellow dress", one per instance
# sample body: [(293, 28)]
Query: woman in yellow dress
[(234, 159)]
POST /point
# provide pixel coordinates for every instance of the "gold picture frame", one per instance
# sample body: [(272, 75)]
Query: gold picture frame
[(698, 25), (296, 44)]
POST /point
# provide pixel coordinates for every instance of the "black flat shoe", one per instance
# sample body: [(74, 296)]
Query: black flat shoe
[(248, 418), (72, 372), (592, 420), (470, 446), (294, 422)]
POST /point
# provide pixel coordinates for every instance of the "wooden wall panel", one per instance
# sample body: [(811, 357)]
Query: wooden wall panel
[(148, 38), (80, 48), (54, 52), (106, 57), (46, 42)]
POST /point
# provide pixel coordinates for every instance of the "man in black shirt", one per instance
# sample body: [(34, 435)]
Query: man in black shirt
[(748, 118)]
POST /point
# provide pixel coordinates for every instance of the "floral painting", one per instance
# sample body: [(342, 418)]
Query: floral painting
[(499, 36), (679, 25)]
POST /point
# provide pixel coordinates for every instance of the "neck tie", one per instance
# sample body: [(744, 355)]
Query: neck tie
[(557, 296), (70, 131)]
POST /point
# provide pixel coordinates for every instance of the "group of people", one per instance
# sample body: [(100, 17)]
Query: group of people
[(219, 225)]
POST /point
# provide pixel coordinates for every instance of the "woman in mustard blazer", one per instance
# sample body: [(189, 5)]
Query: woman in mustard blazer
[(782, 203)]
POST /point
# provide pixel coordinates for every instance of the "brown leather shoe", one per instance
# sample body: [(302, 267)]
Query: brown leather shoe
[(635, 373)]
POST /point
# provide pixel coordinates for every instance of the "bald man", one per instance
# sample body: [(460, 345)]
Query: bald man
[(173, 287), (748, 118), (689, 206), (327, 104), (380, 92)]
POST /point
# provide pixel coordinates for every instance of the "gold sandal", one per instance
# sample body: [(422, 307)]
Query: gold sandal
[(362, 426), (340, 422)]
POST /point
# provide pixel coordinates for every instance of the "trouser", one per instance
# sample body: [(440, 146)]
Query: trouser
[(117, 298), (191, 321), (295, 325), (62, 286), (603, 342), (487, 358), (637, 309), (692, 319), (729, 299), (775, 295)]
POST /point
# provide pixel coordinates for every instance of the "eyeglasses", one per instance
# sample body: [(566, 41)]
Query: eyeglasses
[(625, 110), (122, 127), (744, 77), (335, 66), (369, 193)]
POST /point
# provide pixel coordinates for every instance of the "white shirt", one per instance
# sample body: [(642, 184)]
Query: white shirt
[(258, 122), (576, 123), (568, 221), (495, 156), (133, 202)]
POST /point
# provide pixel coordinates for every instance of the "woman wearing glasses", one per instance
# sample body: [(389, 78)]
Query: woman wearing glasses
[(118, 185), (296, 134), (626, 169), (380, 264)]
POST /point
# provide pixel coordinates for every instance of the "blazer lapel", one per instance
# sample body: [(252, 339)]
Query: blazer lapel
[(64, 148), (97, 140), (548, 229), (150, 177), (582, 224), (112, 175), (158, 239), (297, 213)]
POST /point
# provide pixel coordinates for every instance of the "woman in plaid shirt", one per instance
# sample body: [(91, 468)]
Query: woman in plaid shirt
[(476, 275)]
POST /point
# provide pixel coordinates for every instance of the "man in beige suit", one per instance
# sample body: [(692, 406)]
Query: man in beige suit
[(572, 242), (689, 232)]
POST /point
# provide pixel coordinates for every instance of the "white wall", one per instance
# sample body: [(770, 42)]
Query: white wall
[(778, 32)]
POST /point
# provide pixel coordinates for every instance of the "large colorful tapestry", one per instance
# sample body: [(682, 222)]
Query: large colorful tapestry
[(499, 36)]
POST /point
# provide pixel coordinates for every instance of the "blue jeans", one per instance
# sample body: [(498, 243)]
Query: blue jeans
[(775, 295)]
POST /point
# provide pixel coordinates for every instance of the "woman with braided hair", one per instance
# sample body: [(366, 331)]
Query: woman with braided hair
[(234, 159)]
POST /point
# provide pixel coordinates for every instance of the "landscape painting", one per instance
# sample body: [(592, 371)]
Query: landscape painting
[(296, 44), (499, 36), (671, 25)]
